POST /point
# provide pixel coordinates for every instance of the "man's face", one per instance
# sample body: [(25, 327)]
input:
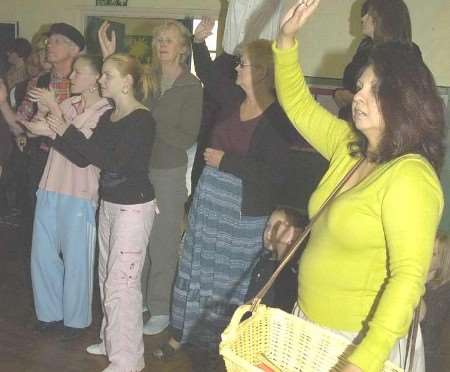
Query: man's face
[(60, 49)]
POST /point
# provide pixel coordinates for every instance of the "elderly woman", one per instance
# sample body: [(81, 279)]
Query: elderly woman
[(365, 265), (235, 194), (176, 105), (381, 21)]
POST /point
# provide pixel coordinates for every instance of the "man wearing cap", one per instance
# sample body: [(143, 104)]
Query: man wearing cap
[(64, 44)]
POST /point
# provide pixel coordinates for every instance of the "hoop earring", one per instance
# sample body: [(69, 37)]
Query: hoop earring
[(124, 90)]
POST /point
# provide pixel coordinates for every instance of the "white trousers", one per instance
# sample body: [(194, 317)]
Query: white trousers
[(124, 232), (398, 352)]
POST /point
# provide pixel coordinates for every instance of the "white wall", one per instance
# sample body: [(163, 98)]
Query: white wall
[(327, 45)]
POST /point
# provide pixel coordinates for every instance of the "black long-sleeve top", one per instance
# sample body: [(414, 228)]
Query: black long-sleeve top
[(121, 149), (263, 168), (359, 60)]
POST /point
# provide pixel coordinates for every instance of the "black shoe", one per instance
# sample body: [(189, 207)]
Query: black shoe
[(45, 327), (70, 333), (165, 352)]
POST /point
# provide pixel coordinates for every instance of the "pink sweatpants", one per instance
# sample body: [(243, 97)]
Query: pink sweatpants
[(124, 232)]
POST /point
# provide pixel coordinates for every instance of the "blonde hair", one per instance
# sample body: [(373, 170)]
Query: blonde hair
[(442, 246), (185, 41), (129, 65), (259, 53)]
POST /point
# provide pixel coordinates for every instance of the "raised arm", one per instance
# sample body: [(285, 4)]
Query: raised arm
[(325, 132), (216, 76), (107, 45), (202, 60)]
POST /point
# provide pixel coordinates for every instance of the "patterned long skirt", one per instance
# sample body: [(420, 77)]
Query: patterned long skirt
[(220, 249)]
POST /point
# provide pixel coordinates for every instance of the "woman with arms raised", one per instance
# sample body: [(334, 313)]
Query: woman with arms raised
[(234, 196), (365, 265)]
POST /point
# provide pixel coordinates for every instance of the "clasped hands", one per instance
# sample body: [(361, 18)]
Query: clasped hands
[(48, 121)]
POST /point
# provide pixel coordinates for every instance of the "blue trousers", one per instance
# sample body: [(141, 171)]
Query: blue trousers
[(62, 258)]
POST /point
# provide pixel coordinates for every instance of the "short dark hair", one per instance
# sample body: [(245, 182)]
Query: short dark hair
[(412, 109), (21, 47), (364, 8), (293, 216), (391, 20)]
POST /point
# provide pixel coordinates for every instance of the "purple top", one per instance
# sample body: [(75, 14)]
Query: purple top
[(233, 135)]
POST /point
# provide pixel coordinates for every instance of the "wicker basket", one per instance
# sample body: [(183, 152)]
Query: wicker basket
[(284, 341)]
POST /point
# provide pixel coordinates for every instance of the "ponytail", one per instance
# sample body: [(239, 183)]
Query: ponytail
[(146, 82)]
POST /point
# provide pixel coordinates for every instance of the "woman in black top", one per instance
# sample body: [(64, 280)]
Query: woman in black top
[(120, 146), (381, 21), (234, 196)]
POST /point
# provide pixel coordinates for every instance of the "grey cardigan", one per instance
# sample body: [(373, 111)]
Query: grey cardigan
[(177, 113)]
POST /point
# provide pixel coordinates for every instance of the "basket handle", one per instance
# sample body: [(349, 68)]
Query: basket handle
[(296, 245), (237, 316)]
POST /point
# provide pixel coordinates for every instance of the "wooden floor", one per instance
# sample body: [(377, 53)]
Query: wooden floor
[(23, 349)]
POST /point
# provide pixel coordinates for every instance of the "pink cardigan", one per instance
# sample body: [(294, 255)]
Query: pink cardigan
[(60, 174)]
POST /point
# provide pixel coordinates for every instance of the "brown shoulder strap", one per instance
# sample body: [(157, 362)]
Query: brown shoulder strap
[(411, 343)]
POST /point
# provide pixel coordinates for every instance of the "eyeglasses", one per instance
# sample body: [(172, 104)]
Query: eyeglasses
[(242, 64), (57, 39)]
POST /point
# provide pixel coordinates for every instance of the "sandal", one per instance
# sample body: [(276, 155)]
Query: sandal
[(165, 352)]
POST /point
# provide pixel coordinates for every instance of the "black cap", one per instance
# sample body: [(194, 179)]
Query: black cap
[(68, 31)]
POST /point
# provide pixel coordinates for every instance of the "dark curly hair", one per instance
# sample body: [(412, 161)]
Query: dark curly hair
[(391, 20), (20, 46), (410, 104)]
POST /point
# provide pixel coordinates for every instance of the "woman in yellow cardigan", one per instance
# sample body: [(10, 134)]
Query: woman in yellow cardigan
[(365, 266)]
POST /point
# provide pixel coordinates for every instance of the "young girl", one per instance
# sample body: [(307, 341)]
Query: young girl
[(62, 256), (176, 104), (120, 146), (283, 227), (437, 301)]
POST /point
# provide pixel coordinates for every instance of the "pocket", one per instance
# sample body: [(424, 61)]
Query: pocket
[(131, 263)]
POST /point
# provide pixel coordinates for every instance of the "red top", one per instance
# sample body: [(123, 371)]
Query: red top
[(233, 135)]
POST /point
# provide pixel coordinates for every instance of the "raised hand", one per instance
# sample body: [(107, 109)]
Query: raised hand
[(203, 29), (45, 98), (57, 124), (107, 45), (293, 20)]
